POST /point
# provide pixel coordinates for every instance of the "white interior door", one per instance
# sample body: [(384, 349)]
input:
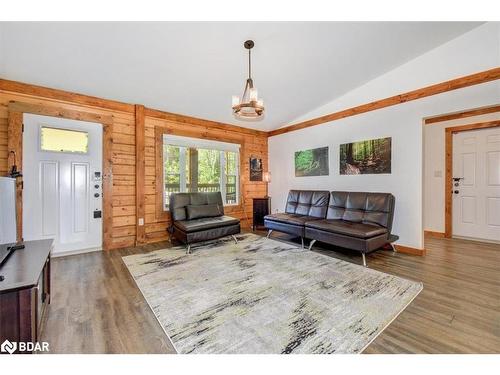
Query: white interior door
[(62, 193), (476, 195)]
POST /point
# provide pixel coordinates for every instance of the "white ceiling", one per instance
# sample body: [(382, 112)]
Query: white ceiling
[(194, 68)]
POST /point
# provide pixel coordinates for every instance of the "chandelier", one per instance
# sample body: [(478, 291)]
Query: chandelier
[(249, 106)]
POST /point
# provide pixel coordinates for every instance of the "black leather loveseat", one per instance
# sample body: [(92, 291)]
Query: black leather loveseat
[(356, 220), (200, 217), (301, 206)]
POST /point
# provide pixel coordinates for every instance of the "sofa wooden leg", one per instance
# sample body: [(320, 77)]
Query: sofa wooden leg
[(311, 244), (234, 238), (269, 233), (188, 249), (364, 259)]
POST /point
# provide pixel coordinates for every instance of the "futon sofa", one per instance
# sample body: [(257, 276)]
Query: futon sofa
[(301, 206), (359, 221), (200, 217)]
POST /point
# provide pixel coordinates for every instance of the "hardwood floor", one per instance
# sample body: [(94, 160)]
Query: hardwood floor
[(97, 308)]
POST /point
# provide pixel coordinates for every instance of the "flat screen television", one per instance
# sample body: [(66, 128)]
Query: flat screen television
[(8, 233)]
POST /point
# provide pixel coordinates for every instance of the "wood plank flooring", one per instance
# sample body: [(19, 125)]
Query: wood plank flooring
[(97, 308)]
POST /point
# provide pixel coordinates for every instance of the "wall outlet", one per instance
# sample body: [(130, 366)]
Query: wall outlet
[(141, 221)]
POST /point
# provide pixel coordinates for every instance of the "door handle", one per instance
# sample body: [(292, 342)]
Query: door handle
[(456, 192)]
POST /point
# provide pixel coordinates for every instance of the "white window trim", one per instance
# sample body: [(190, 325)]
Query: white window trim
[(177, 140), (186, 142)]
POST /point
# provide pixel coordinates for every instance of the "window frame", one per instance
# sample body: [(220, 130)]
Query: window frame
[(40, 148), (161, 213)]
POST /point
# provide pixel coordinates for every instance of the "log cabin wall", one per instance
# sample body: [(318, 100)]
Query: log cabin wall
[(253, 143), (125, 224)]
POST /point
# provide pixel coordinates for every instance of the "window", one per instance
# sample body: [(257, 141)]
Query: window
[(196, 165), (63, 140)]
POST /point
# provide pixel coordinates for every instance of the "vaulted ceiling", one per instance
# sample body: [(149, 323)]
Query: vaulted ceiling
[(194, 68)]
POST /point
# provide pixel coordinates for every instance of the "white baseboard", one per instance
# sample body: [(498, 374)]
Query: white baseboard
[(74, 252)]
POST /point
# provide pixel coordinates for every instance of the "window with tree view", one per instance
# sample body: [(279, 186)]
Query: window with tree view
[(192, 165)]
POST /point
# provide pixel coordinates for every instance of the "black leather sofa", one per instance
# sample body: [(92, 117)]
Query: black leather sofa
[(359, 221), (200, 217), (301, 206)]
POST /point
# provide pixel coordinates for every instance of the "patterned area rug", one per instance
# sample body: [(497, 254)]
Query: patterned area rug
[(266, 296)]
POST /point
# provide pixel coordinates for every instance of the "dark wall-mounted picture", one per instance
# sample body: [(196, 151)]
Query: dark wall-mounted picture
[(311, 162), (366, 157), (255, 169)]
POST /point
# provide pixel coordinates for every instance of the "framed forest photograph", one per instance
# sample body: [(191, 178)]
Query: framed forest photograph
[(312, 162), (255, 169), (366, 157)]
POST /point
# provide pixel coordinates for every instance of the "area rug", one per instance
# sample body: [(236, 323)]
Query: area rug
[(266, 296)]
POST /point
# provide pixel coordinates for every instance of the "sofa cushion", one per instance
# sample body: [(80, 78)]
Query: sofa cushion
[(196, 225), (348, 228), (293, 219), (200, 211), (179, 201), (361, 207), (307, 203)]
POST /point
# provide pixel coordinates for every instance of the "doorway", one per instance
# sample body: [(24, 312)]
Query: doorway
[(62, 178), (475, 179)]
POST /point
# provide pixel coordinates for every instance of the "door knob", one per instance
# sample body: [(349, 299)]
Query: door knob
[(456, 192)]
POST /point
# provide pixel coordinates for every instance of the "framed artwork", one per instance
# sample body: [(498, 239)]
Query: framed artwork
[(312, 162), (366, 157), (255, 169)]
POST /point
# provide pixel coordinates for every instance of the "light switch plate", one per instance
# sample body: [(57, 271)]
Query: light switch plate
[(438, 174), (141, 221)]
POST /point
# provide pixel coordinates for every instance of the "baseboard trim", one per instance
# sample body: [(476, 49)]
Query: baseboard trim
[(74, 252), (410, 250), (432, 233)]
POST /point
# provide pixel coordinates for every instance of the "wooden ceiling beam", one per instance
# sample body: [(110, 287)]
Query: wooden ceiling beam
[(454, 84)]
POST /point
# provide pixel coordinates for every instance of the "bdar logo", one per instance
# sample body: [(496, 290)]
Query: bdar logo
[(8, 347)]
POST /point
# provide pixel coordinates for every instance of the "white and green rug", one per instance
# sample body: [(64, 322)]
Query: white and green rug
[(266, 296)]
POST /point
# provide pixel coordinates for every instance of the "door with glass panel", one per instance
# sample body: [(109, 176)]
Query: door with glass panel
[(62, 196)]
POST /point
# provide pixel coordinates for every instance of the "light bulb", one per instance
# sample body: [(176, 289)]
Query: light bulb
[(253, 94), (235, 100)]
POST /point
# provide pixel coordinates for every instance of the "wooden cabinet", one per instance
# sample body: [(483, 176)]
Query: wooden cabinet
[(261, 208), (25, 292)]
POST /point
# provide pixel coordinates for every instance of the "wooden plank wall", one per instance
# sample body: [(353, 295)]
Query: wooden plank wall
[(253, 144), (124, 160), (123, 231)]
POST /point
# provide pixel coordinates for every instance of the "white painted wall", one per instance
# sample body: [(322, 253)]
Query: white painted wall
[(475, 51), (2, 50), (434, 168)]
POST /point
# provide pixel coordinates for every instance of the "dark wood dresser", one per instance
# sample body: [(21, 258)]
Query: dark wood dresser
[(261, 208), (25, 292)]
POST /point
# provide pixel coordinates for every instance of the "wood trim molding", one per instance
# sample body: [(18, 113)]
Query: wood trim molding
[(448, 202), (16, 111), (462, 114), (140, 167), (55, 94), (59, 112), (160, 213), (201, 122), (432, 233), (454, 84), (410, 250), (15, 143)]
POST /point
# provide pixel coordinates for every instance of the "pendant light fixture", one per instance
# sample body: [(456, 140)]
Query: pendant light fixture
[(249, 106)]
